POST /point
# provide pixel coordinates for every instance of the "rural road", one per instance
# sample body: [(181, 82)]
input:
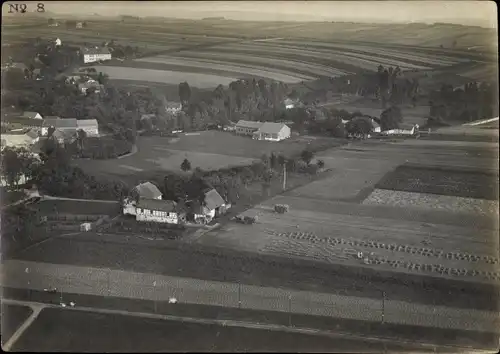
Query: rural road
[(116, 283)]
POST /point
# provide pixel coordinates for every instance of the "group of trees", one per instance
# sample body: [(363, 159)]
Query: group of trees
[(53, 174), (229, 181), (473, 101), (249, 99)]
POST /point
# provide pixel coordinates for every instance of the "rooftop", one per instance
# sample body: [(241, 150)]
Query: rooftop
[(94, 51), (86, 123), (249, 124), (22, 121), (147, 190), (157, 204), (271, 128), (60, 123), (31, 115), (213, 199)]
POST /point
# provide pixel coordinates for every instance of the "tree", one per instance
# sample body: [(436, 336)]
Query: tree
[(81, 135), (12, 166), (320, 163), (184, 92), (360, 126), (281, 160), (186, 165), (390, 118), (273, 161), (306, 156)]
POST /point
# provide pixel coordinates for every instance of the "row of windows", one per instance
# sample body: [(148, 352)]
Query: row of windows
[(155, 212)]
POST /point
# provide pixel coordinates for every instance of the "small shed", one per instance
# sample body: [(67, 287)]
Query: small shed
[(86, 226)]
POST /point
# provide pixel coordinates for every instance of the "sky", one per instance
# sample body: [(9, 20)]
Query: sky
[(475, 13)]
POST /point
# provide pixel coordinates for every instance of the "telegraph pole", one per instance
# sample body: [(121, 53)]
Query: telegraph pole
[(289, 310), (284, 176), (383, 305), (239, 295)]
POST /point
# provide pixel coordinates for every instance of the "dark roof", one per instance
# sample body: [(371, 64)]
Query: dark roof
[(91, 51), (213, 199), (23, 121), (86, 123), (64, 134), (30, 114), (60, 123), (156, 204), (271, 128), (147, 190), (249, 124)]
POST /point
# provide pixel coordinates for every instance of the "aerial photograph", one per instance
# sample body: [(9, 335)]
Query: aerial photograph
[(250, 176)]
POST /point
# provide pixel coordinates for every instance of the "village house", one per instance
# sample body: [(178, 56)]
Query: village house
[(162, 211), (245, 127), (92, 55), (83, 87), (22, 139), (213, 206), (173, 107), (15, 122), (79, 25), (289, 103), (32, 115), (146, 190), (58, 42), (272, 132), (376, 126), (89, 126)]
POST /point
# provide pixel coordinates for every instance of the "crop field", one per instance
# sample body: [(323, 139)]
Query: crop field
[(332, 219), (208, 150), (466, 184)]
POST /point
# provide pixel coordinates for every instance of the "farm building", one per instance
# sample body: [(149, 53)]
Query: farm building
[(272, 132), (376, 126), (404, 129), (89, 126), (164, 211), (213, 205), (58, 42), (31, 115), (61, 124), (245, 127), (92, 55), (64, 136)]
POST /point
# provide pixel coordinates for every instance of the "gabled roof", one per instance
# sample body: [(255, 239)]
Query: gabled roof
[(30, 114), (213, 199), (32, 134), (16, 139), (86, 123), (147, 190), (148, 116), (60, 123), (64, 134), (94, 51), (157, 204), (249, 124), (271, 128), (22, 121)]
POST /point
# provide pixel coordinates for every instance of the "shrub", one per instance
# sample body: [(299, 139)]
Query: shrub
[(281, 208)]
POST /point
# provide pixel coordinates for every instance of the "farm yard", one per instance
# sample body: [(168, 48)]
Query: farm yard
[(336, 221), (208, 150)]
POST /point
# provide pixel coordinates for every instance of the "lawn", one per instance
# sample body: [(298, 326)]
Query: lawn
[(209, 150), (466, 184), (76, 207), (12, 317)]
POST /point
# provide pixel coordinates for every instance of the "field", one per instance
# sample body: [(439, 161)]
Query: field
[(334, 218), (208, 150), (209, 53)]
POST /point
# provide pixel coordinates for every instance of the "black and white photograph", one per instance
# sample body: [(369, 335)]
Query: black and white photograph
[(250, 176)]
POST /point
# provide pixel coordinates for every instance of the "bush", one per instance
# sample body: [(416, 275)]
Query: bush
[(281, 208)]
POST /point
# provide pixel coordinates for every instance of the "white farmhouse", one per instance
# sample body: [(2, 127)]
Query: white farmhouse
[(92, 55), (154, 210), (246, 127), (272, 132), (58, 42), (212, 206)]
